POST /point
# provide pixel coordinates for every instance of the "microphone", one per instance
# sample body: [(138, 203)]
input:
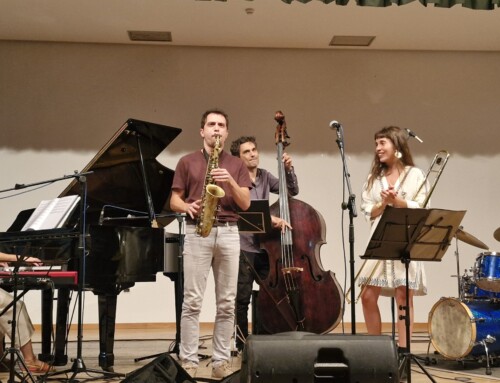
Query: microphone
[(412, 134), (335, 124), (338, 127)]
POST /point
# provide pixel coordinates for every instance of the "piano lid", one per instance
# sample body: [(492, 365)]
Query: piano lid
[(117, 172)]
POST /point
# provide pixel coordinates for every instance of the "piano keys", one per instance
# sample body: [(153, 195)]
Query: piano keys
[(125, 180)]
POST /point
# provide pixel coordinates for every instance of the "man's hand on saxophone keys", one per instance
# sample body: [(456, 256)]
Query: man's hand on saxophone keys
[(221, 175), (193, 208)]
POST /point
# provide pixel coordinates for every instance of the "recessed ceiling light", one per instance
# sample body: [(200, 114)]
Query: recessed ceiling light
[(150, 36), (356, 41)]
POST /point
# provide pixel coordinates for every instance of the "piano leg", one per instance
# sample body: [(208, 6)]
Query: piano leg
[(46, 326), (60, 358), (61, 338), (107, 319)]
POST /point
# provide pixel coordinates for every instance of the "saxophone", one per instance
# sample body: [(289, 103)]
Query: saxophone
[(210, 195)]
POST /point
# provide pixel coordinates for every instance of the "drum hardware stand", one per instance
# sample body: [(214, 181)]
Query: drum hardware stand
[(412, 234), (351, 206), (15, 353), (488, 339), (457, 256), (178, 279), (78, 363)]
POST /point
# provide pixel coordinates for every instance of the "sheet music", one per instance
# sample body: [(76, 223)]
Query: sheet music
[(51, 214)]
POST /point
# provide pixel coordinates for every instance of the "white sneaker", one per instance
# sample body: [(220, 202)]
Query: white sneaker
[(190, 368), (221, 369)]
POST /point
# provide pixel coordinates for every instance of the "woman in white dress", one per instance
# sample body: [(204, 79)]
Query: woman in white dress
[(393, 181)]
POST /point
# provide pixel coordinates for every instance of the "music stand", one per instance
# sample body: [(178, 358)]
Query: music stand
[(412, 234), (256, 219)]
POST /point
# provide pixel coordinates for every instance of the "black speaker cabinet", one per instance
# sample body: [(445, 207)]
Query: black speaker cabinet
[(164, 369), (299, 357)]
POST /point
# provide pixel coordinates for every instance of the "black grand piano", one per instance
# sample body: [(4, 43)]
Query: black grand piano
[(126, 190)]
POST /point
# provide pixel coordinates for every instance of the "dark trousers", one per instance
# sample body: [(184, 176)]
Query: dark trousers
[(260, 264)]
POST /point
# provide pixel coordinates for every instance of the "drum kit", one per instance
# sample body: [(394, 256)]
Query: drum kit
[(467, 328)]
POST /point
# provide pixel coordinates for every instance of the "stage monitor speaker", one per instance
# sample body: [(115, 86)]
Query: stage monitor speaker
[(300, 357), (164, 369), (233, 378)]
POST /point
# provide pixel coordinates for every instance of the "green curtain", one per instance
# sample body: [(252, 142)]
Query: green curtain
[(473, 4)]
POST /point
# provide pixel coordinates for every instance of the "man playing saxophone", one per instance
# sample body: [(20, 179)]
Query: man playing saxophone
[(393, 181), (220, 248)]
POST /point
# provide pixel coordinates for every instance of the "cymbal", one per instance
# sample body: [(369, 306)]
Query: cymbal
[(496, 234), (470, 239)]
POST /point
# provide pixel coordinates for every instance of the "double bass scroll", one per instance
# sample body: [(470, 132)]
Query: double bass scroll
[(298, 294)]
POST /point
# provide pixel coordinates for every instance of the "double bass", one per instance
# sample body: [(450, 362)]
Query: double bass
[(297, 294)]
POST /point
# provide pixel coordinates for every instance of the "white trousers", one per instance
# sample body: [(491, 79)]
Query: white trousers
[(24, 327), (219, 251)]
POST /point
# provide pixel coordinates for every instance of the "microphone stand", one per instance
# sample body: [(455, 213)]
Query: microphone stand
[(351, 206), (78, 363), (178, 279), (24, 186)]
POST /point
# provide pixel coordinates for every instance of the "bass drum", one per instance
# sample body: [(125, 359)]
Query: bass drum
[(456, 327)]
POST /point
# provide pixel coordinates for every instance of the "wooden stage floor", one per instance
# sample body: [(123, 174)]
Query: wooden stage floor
[(142, 340)]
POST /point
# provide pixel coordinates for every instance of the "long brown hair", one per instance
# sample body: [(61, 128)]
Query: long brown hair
[(399, 138)]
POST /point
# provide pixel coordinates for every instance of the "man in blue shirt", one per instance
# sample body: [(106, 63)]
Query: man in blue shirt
[(252, 257)]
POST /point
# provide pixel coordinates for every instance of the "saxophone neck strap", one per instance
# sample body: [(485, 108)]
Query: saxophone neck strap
[(205, 154)]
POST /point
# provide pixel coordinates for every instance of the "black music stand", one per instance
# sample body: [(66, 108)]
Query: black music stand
[(412, 234), (255, 220), (15, 353)]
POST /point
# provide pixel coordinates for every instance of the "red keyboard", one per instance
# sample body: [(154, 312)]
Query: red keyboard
[(39, 279)]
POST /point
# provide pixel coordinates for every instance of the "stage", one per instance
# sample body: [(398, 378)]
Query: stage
[(133, 342)]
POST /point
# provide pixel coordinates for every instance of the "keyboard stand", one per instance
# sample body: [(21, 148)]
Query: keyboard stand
[(14, 353)]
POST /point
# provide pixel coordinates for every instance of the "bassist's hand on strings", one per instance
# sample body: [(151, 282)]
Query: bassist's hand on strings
[(279, 223), (287, 160)]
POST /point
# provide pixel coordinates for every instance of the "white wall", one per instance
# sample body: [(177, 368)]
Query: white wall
[(59, 103)]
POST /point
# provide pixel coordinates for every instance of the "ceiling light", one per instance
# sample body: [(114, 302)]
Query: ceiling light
[(356, 41), (150, 36)]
